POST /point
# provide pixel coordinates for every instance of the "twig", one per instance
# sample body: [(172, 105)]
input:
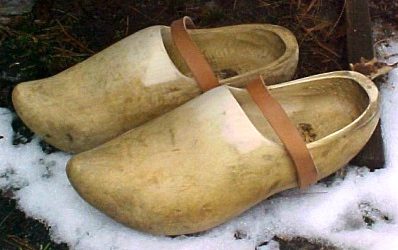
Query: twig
[(78, 43), (330, 59), (71, 53), (391, 55), (65, 13), (8, 215), (298, 4), (18, 242), (323, 46), (160, 13), (127, 26), (317, 27), (338, 19), (381, 41), (141, 13), (310, 6), (264, 4)]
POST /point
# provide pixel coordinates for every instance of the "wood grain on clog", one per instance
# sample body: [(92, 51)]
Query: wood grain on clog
[(216, 156), (142, 77)]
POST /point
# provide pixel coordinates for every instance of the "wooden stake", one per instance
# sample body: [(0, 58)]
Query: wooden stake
[(360, 49)]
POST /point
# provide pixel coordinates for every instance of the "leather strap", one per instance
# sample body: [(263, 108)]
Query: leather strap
[(286, 131), (197, 63)]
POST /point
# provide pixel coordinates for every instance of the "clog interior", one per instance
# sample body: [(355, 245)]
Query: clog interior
[(231, 50), (317, 108)]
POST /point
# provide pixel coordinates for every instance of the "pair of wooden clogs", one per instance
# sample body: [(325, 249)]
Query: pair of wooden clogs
[(173, 142)]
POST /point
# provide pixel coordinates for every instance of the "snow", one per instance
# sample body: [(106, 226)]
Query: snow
[(333, 213)]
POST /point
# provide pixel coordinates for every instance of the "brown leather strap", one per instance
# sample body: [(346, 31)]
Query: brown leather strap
[(286, 131), (197, 63)]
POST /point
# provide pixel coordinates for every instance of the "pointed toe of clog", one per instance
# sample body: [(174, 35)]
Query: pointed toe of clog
[(25, 101), (38, 112), (20, 98), (43, 110), (75, 171), (85, 181)]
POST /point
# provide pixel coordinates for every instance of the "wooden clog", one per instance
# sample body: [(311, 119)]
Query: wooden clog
[(216, 156), (144, 76)]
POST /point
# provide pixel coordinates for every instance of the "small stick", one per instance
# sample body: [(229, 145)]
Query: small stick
[(310, 6), (338, 19), (78, 43), (323, 46), (127, 26)]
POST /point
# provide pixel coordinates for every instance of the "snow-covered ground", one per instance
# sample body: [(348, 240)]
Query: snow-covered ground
[(332, 213)]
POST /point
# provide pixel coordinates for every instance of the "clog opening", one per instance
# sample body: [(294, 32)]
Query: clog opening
[(231, 50), (318, 108)]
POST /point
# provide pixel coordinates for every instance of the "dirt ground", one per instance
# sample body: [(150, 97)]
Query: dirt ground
[(58, 34)]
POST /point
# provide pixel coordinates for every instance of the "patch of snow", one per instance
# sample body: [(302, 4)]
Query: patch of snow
[(359, 211)]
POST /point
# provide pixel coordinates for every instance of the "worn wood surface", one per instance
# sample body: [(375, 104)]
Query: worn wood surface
[(177, 174), (142, 77), (359, 47)]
